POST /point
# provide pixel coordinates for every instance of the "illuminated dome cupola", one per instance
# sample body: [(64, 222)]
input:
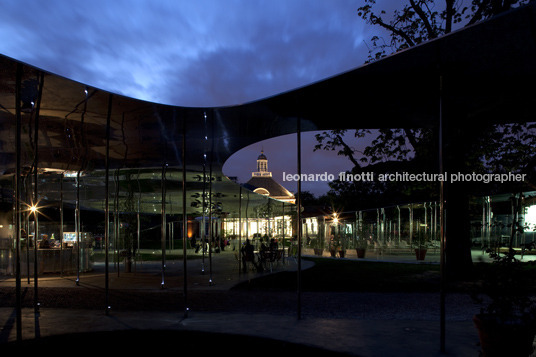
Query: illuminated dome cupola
[(263, 183), (262, 167)]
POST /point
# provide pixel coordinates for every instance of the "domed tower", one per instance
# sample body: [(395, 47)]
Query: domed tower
[(262, 166), (262, 182)]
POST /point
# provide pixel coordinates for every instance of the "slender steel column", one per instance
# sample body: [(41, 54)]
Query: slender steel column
[(138, 225), (488, 213), (116, 221), (36, 266), (203, 220), (26, 185), (441, 220), (77, 212), (107, 211), (298, 223), (283, 231), (17, 199), (399, 224), (383, 225), (184, 218), (426, 218), (36, 195), (211, 228), (203, 232), (378, 228), (163, 224), (77, 227), (61, 224), (239, 228), (171, 230), (247, 221), (410, 208)]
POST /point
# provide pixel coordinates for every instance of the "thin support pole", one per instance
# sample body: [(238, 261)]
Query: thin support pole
[(116, 221), (298, 223), (27, 193), (441, 221), (425, 217), (82, 166), (138, 226), (17, 200), (36, 196), (184, 218), (203, 203), (410, 208), (239, 229), (247, 222), (107, 211), (163, 224), (211, 228), (399, 224), (77, 225), (488, 200), (435, 220), (283, 231), (36, 278), (61, 225), (203, 219)]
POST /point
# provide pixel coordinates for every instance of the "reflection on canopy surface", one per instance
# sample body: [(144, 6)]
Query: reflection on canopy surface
[(487, 76)]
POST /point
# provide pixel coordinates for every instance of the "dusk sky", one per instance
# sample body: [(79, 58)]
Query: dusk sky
[(203, 53)]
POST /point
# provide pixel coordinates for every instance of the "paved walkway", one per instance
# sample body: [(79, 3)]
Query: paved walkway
[(358, 324)]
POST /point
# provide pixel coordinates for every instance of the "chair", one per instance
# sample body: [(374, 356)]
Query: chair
[(268, 258), (248, 259), (279, 254)]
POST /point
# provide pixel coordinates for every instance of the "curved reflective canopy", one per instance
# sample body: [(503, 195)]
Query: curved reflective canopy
[(67, 145), (486, 74)]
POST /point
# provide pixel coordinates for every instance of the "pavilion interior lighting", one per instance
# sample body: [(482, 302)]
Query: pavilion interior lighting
[(530, 216)]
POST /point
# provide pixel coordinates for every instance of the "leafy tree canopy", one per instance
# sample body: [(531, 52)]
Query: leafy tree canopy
[(499, 148)]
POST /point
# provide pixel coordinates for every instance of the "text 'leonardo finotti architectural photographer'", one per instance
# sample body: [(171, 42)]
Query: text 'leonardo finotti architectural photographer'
[(406, 176)]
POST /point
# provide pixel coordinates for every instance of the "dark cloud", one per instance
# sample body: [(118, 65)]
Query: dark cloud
[(274, 57), (233, 76), (203, 54)]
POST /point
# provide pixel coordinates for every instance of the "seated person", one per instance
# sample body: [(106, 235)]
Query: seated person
[(44, 244), (248, 255)]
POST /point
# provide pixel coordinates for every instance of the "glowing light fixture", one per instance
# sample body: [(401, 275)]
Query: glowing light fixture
[(70, 173), (335, 218), (530, 215)]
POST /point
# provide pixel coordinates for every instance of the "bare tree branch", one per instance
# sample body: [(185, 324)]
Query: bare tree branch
[(449, 14), (424, 18), (411, 138), (406, 37), (477, 16), (348, 151)]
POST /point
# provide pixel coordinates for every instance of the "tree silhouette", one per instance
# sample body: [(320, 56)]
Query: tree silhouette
[(492, 149)]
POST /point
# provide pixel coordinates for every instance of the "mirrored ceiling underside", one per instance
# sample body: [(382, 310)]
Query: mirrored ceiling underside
[(481, 74)]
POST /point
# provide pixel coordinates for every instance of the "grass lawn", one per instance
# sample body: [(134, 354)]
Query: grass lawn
[(352, 276)]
